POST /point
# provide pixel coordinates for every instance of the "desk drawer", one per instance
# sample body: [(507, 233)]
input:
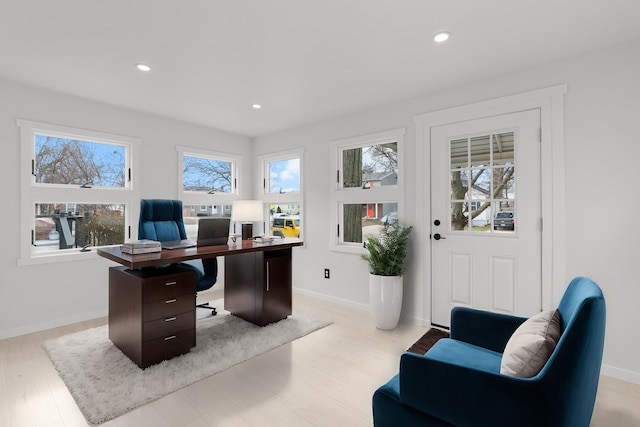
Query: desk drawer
[(168, 286), (168, 326), (167, 347), (168, 307)]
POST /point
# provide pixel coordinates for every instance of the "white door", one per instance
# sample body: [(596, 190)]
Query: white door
[(486, 216)]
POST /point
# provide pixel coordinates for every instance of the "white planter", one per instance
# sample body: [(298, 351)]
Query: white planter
[(385, 296)]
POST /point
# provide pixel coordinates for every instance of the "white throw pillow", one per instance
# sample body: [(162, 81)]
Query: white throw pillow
[(531, 344)]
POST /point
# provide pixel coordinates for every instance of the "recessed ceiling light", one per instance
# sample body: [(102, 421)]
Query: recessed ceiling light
[(143, 67), (441, 37), (256, 106)]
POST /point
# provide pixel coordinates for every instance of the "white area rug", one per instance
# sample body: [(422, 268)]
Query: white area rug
[(106, 384)]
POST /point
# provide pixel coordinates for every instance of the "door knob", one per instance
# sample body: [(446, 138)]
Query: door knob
[(436, 222), (437, 236)]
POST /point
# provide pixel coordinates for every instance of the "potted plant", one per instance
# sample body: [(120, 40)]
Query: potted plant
[(386, 254)]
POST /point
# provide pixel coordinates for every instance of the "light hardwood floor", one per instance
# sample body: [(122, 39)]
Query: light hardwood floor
[(324, 379)]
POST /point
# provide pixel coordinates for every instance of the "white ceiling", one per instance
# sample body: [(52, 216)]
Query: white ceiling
[(303, 60)]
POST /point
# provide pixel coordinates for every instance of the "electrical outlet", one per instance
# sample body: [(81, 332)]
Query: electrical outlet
[(326, 273)]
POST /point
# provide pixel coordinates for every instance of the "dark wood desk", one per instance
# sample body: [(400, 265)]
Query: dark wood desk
[(152, 311)]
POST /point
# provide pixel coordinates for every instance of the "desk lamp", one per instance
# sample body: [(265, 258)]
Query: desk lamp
[(247, 212)]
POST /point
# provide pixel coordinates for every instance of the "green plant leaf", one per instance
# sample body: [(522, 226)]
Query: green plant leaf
[(386, 253)]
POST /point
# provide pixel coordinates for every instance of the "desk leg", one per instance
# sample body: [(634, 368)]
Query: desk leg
[(258, 286)]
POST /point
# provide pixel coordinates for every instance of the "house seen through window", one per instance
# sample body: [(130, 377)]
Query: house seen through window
[(79, 191), (367, 192)]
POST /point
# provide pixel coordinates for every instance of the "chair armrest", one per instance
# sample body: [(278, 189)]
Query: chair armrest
[(466, 396), (483, 328)]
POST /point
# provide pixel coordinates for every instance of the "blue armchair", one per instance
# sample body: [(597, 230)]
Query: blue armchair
[(458, 381), (161, 220)]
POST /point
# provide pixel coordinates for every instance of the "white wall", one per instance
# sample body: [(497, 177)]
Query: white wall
[(43, 296), (602, 123), (602, 127)]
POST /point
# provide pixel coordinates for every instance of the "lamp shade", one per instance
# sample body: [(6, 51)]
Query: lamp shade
[(247, 211)]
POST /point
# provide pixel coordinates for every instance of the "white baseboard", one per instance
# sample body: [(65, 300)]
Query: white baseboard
[(621, 374), (42, 326), (415, 321), (341, 301), (359, 306)]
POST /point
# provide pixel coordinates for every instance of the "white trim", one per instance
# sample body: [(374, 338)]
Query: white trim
[(325, 297), (264, 160), (50, 324), (550, 101), (340, 196), (73, 132), (202, 198), (373, 138), (621, 374), (32, 193), (297, 197)]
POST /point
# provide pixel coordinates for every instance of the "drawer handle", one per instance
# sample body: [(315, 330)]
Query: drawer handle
[(169, 301), (170, 319), (172, 337), (170, 283)]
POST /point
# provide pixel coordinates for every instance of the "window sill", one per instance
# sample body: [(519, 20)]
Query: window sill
[(57, 258), (356, 250)]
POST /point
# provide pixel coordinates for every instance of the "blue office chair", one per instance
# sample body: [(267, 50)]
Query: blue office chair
[(161, 220)]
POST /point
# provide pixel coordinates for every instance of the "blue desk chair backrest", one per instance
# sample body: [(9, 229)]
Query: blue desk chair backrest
[(162, 220)]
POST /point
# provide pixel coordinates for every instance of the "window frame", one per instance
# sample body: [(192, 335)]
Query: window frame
[(291, 197), (198, 199), (32, 192), (341, 196), (203, 197)]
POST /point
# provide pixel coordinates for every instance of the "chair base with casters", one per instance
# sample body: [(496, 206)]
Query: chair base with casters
[(214, 311), (206, 278)]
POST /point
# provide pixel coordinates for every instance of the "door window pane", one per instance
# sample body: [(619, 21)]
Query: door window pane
[(459, 153), (61, 226), (504, 218), (503, 148), (504, 182), (370, 166), (66, 161), (459, 182), (480, 152), (483, 183)]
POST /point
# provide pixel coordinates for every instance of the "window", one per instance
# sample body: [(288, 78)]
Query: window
[(282, 193), (282, 176), (482, 172), (203, 173), (77, 190), (367, 189), (207, 185)]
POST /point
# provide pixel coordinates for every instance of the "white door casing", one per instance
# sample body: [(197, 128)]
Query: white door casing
[(550, 101), (475, 263)]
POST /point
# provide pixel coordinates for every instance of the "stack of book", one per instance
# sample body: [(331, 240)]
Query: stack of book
[(140, 247)]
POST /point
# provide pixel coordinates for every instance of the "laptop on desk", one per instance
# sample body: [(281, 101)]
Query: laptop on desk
[(213, 231)]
